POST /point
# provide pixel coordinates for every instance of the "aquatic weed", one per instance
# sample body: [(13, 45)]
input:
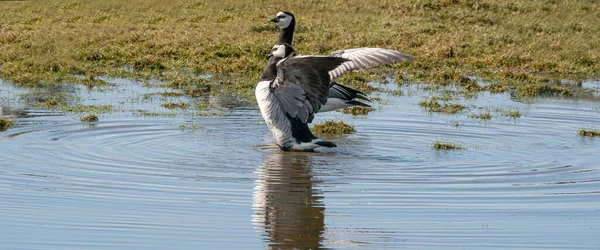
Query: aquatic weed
[(57, 100), (357, 110), (175, 105), (90, 81), (433, 105), (589, 132), (146, 113), (542, 89), (440, 145), (455, 124), (5, 124), (482, 116), (169, 94), (333, 127), (89, 118), (80, 108), (514, 114), (191, 127), (496, 87)]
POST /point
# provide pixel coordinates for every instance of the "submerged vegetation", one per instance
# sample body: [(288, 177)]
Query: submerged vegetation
[(175, 105), (6, 124), (433, 105), (357, 110), (514, 114), (486, 116), (534, 90), (333, 127), (89, 118), (440, 145), (99, 109), (589, 132)]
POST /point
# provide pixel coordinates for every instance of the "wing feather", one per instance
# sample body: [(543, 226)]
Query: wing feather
[(303, 83), (362, 58)]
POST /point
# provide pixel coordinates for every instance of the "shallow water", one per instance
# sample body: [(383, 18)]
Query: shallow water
[(181, 180)]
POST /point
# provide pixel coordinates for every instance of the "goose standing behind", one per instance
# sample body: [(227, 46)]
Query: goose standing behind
[(340, 96), (287, 23)]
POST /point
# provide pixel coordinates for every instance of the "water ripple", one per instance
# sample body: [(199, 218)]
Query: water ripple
[(147, 183)]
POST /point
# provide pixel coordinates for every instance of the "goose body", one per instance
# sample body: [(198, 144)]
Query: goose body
[(340, 96), (290, 91)]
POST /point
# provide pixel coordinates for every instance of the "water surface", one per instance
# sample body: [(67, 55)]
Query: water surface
[(182, 180)]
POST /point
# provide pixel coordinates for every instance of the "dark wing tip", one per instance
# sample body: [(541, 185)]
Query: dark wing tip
[(326, 144)]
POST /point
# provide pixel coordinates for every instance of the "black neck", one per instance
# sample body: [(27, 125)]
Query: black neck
[(286, 35), (270, 72)]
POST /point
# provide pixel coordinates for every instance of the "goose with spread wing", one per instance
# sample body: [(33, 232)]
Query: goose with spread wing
[(292, 89), (340, 96)]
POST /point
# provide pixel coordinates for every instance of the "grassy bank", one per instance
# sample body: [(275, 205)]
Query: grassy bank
[(511, 41)]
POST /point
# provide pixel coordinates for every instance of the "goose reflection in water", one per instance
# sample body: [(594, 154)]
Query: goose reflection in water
[(288, 208)]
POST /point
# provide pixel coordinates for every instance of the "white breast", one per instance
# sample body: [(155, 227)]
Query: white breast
[(276, 120)]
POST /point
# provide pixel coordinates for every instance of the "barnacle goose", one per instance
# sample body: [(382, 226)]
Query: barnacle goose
[(292, 89), (340, 96)]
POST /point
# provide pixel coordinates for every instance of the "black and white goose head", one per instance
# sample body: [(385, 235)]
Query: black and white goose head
[(286, 22), (284, 19), (280, 51)]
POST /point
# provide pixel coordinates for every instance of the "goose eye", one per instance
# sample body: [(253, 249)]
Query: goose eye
[(280, 17)]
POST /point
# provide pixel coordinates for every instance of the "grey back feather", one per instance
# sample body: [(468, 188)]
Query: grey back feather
[(362, 58)]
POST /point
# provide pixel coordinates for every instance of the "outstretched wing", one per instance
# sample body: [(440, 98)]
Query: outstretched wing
[(302, 84), (362, 58)]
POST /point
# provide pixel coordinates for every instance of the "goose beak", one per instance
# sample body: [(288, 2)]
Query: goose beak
[(270, 55), (274, 19)]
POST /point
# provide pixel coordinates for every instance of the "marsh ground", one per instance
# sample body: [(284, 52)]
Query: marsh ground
[(529, 48)]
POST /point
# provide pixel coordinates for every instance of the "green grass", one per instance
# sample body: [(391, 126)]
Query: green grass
[(333, 127), (543, 89), (6, 123), (511, 41), (589, 132)]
